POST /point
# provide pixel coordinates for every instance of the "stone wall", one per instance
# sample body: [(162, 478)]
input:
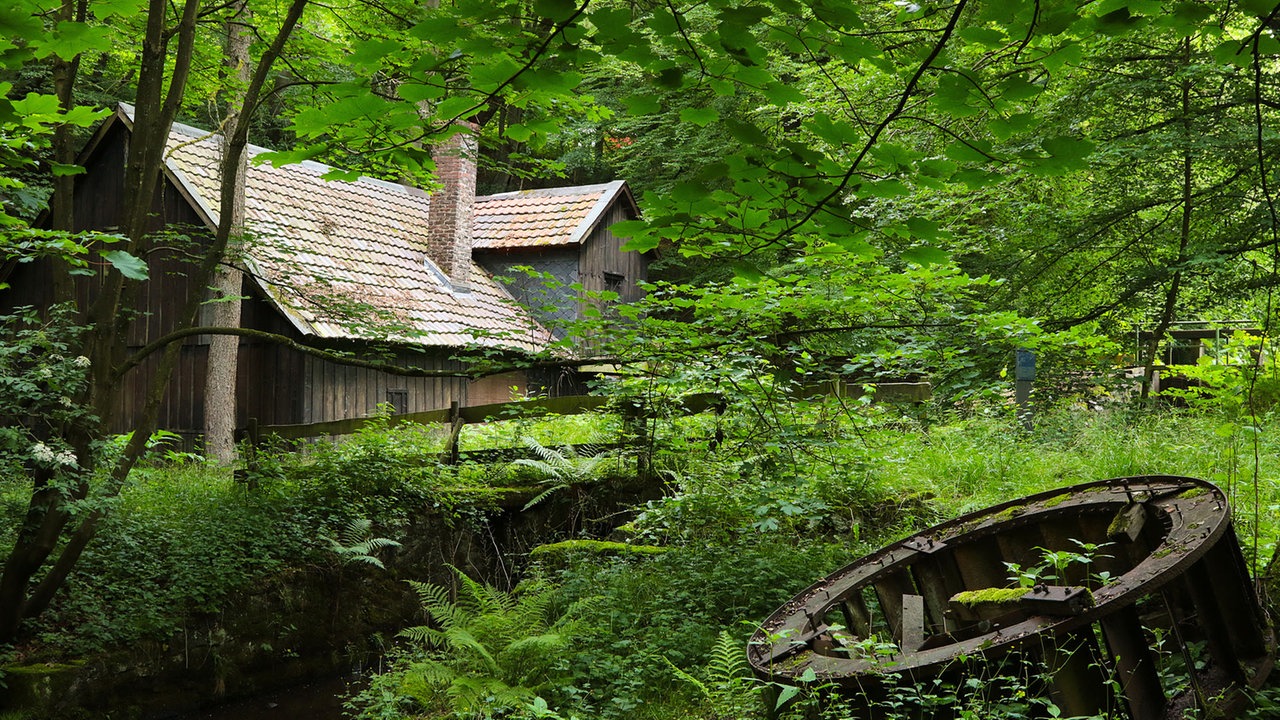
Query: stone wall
[(304, 623)]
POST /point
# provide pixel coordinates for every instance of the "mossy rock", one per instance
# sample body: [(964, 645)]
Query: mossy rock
[(559, 553), (34, 689)]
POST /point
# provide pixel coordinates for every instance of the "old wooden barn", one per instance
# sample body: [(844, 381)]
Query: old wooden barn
[(340, 265)]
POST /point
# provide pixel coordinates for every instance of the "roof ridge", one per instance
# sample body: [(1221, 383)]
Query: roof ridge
[(557, 190)]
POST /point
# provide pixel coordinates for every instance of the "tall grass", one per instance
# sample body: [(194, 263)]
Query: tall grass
[(973, 463)]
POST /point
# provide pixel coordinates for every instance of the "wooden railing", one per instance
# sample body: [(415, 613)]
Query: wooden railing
[(633, 412), (456, 417)]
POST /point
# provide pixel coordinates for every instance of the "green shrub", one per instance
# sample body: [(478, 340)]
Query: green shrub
[(637, 616), (483, 655), (179, 542)]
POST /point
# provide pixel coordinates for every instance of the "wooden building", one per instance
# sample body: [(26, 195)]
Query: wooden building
[(536, 229), (329, 263)]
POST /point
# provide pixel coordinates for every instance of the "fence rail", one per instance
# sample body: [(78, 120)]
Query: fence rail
[(632, 410)]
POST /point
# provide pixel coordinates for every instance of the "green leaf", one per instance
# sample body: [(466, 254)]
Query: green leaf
[(780, 93), (1065, 155), (744, 270), (611, 23), (642, 104), (986, 36), (104, 9), (495, 72), (459, 107), (958, 96), (745, 132), (279, 158), (63, 170), (1019, 88), (890, 188), (857, 245), (785, 695), (84, 116), (556, 10), (370, 52), (73, 38), (971, 151), (1194, 13), (417, 92), (1233, 52), (642, 243), (1118, 22), (854, 49), (128, 265), (926, 255), (701, 117), (924, 229), (937, 168), (1005, 128), (519, 133)]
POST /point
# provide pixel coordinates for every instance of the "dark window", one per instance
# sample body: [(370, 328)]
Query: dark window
[(613, 282), (398, 399)]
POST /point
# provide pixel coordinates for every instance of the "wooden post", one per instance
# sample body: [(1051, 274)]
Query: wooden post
[(1079, 684), (252, 437), (455, 429), (636, 427)]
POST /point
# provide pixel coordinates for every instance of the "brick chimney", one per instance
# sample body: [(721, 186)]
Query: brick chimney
[(451, 213)]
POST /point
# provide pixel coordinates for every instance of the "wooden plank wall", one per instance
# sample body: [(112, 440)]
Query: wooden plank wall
[(602, 253), (336, 392)]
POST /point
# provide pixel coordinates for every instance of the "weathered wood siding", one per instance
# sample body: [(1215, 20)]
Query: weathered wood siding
[(496, 388), (337, 392), (602, 255), (275, 384)]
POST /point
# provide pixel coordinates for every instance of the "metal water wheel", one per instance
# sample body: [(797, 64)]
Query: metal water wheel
[(1165, 569)]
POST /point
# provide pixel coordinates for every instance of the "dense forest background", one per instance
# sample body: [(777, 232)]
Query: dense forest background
[(858, 190)]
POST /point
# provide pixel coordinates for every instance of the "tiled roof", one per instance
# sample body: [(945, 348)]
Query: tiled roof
[(550, 217), (346, 259)]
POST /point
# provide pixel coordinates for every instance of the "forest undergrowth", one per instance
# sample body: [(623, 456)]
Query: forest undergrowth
[(593, 630)]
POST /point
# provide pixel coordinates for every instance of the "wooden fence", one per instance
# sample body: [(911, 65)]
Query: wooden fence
[(633, 412)]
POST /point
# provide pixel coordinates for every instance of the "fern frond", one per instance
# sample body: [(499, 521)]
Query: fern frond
[(544, 495), (430, 595), (533, 609), (548, 455), (424, 635), (478, 597), (356, 544), (728, 662), (373, 545), (541, 467), (460, 640), (701, 687), (529, 658)]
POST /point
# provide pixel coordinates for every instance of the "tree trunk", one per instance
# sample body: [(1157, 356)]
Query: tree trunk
[(223, 362), (1168, 312), (156, 108)]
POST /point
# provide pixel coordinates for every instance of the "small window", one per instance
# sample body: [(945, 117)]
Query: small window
[(398, 399), (613, 282)]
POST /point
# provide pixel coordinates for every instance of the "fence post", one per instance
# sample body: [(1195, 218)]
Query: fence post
[(252, 437), (455, 429), (635, 425)]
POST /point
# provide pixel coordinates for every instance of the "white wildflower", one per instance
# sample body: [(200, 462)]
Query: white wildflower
[(68, 458), (43, 452), (66, 401), (82, 361), (44, 373)]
